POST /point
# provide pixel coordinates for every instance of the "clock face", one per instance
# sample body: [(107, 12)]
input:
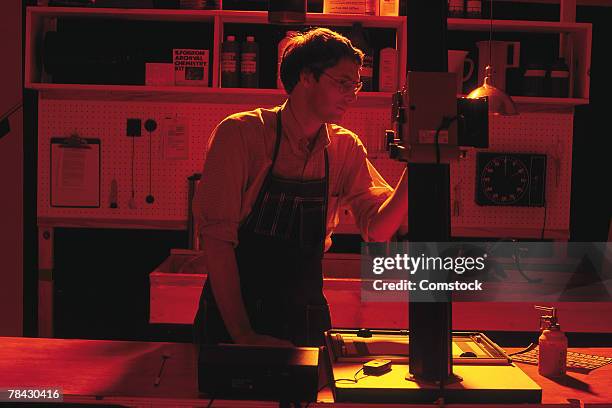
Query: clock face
[(504, 179)]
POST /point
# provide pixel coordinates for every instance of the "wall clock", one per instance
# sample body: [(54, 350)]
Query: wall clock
[(510, 179)]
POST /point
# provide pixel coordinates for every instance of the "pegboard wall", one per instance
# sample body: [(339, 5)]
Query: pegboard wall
[(549, 133), (106, 120), (537, 132)]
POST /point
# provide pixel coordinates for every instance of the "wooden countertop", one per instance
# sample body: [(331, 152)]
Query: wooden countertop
[(124, 372), (594, 387), (99, 367)]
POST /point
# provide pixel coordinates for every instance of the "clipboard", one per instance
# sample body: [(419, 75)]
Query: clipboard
[(75, 172)]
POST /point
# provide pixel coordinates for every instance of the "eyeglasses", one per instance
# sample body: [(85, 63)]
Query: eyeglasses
[(346, 86)]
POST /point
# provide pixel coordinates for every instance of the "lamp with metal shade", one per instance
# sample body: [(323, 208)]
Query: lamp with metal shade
[(500, 103)]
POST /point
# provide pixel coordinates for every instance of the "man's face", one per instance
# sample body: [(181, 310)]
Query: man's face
[(335, 90)]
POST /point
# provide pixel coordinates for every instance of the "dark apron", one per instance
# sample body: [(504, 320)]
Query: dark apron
[(279, 257)]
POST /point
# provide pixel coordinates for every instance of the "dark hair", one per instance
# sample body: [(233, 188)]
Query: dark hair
[(315, 51)]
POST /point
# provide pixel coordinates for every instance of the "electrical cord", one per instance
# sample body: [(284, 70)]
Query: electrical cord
[(5, 116), (150, 163), (530, 347), (543, 223), (516, 256), (517, 263), (353, 380), (12, 110), (132, 202), (150, 126), (444, 125), (545, 215)]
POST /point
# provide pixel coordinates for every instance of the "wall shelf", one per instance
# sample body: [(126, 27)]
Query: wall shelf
[(467, 24), (39, 20), (261, 17), (228, 16), (230, 95), (184, 94), (575, 46)]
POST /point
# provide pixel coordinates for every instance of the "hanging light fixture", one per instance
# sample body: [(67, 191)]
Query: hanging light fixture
[(500, 103)]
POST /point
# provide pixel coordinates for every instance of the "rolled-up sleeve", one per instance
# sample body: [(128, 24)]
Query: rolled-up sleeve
[(218, 198), (364, 190)]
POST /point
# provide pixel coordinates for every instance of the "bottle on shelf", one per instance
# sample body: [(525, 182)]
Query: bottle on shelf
[(559, 79), (193, 4), (282, 45), (389, 7), (287, 11), (533, 79), (230, 71), (387, 70), (456, 8), (473, 9), (359, 40), (249, 61), (371, 7)]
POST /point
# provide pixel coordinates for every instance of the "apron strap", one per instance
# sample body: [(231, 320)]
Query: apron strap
[(279, 130), (266, 181), (325, 198)]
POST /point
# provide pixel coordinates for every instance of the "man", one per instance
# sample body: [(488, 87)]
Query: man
[(271, 189)]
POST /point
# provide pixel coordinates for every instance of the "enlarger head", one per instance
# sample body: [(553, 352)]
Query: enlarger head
[(431, 124)]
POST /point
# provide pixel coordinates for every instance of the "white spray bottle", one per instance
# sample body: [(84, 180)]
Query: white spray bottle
[(552, 358)]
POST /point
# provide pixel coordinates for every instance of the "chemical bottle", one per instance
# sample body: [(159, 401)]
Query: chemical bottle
[(389, 8), (473, 9), (552, 356), (282, 45), (387, 70), (249, 61), (534, 79), (230, 71), (287, 11), (559, 79), (371, 7), (367, 70), (456, 8)]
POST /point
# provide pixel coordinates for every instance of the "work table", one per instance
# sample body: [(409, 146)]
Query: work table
[(124, 372)]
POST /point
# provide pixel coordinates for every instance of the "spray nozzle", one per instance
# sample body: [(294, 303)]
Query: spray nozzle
[(548, 321)]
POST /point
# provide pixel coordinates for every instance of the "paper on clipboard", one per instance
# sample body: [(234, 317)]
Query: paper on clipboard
[(175, 139), (75, 172)]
